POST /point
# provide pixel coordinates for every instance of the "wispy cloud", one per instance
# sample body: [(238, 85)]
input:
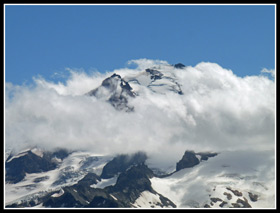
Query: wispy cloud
[(269, 71)]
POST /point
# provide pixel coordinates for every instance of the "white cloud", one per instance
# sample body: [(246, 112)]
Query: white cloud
[(271, 72), (218, 111), (146, 63)]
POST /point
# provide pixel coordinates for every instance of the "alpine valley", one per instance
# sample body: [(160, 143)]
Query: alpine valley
[(171, 136)]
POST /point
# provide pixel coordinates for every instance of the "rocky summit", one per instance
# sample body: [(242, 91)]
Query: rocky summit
[(118, 90)]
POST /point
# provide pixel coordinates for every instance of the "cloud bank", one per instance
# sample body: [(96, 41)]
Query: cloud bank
[(218, 111)]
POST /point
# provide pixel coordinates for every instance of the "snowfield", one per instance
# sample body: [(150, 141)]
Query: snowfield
[(242, 171), (71, 170), (148, 200)]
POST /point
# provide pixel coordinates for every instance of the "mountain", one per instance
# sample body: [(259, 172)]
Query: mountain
[(121, 163), (199, 177), (191, 159), (81, 179), (219, 182), (179, 66), (31, 161), (155, 80), (123, 186), (117, 90)]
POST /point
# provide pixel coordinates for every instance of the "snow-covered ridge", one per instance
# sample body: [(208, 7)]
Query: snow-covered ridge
[(35, 151), (118, 89), (149, 200), (70, 171), (218, 182), (222, 181)]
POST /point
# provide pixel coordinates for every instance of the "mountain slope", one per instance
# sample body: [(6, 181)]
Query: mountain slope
[(227, 180), (216, 182), (116, 91)]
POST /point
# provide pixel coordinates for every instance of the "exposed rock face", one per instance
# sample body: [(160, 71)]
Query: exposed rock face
[(160, 80), (129, 186), (253, 197), (235, 192), (154, 74), (89, 179), (241, 203), (222, 204), (215, 199), (81, 196), (206, 206), (28, 162), (236, 197), (179, 66), (189, 160), (229, 196), (116, 91), (121, 163), (132, 183)]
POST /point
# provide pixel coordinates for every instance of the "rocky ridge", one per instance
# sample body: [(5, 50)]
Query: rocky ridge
[(117, 90), (122, 181)]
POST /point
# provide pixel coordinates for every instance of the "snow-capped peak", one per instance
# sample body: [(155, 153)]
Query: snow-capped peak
[(117, 89)]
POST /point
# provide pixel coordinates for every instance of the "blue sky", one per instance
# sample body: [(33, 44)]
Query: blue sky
[(45, 39)]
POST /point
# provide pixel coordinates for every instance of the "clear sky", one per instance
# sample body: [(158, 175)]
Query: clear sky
[(44, 39)]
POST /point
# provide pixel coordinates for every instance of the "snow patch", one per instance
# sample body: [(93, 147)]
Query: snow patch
[(113, 197), (105, 182), (37, 152), (17, 156), (148, 200), (194, 187), (60, 193), (30, 186)]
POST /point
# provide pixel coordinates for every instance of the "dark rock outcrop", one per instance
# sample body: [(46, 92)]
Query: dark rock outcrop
[(179, 66), (89, 179), (129, 186), (117, 90), (241, 203), (104, 202), (154, 74), (235, 192), (131, 183), (28, 162), (82, 195), (188, 160), (121, 163), (222, 204), (253, 197), (215, 199), (229, 196)]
